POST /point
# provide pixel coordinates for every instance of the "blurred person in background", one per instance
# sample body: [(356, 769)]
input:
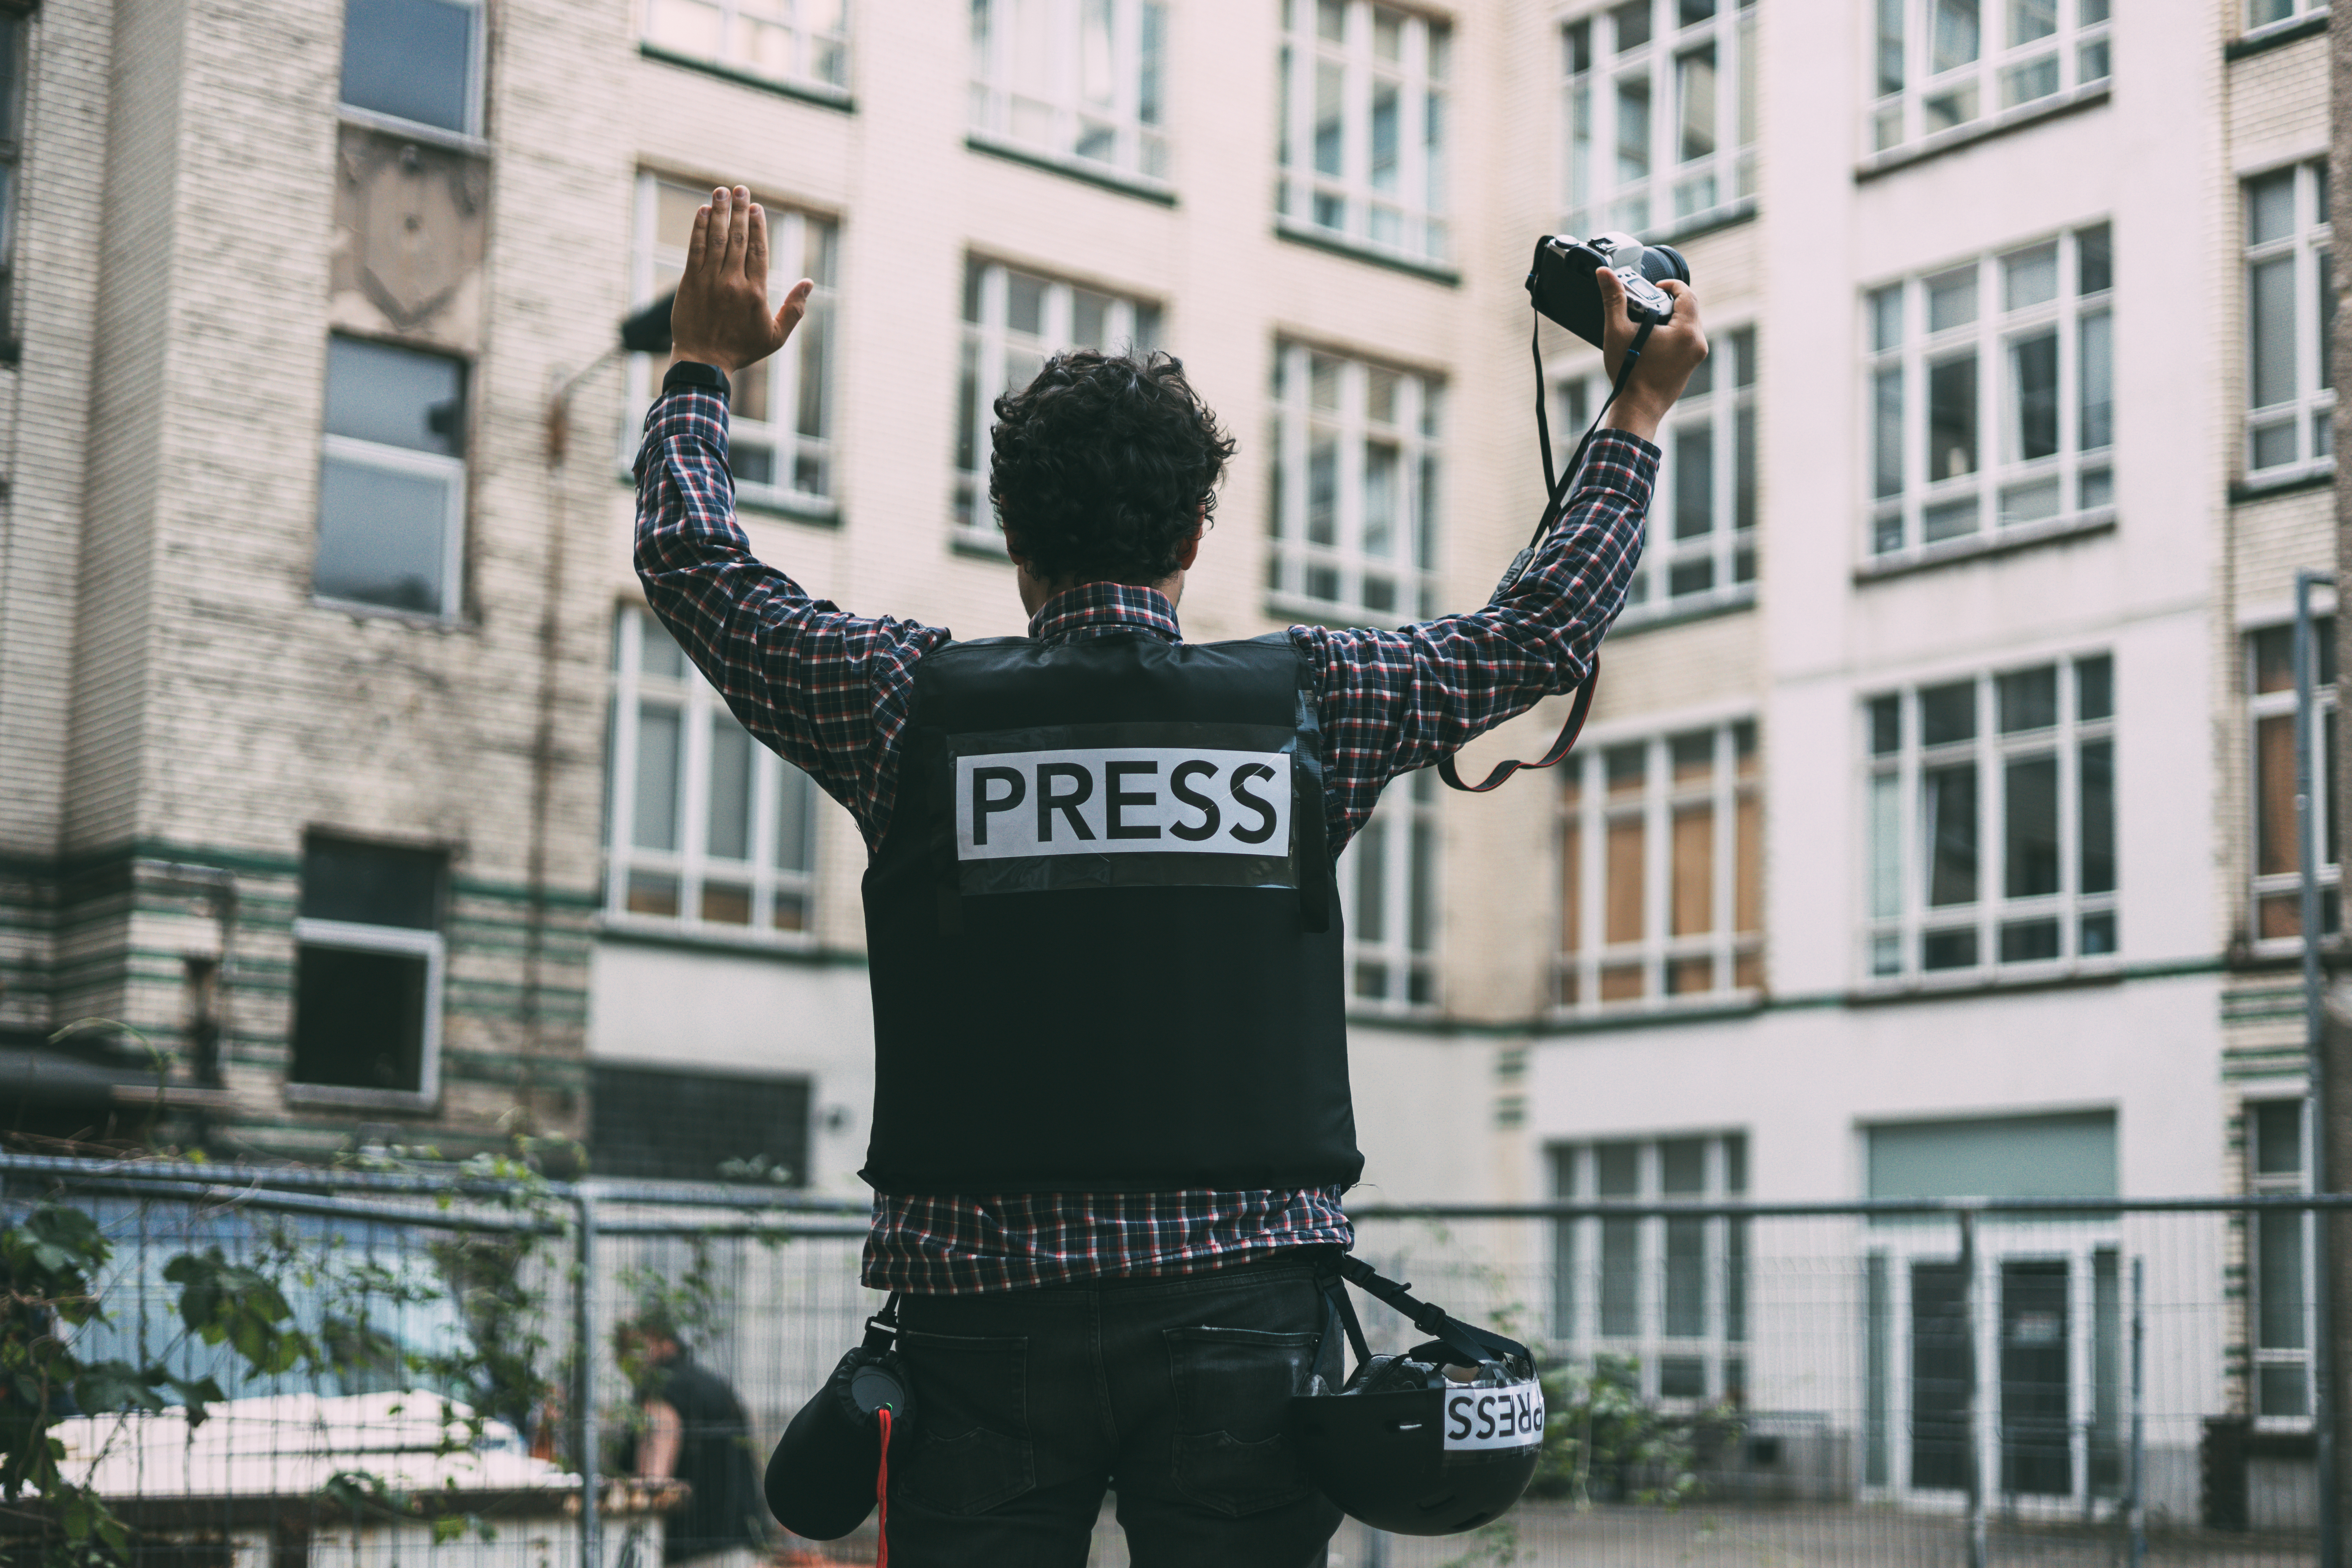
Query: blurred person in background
[(1112, 1122), (694, 1430)]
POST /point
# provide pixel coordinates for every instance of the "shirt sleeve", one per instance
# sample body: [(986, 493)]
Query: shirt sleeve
[(827, 690), (1396, 700)]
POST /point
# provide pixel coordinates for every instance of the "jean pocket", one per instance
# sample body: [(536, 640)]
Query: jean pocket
[(971, 1398), (1232, 1390)]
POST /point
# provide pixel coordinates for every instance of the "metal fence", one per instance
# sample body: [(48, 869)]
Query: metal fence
[(1834, 1383)]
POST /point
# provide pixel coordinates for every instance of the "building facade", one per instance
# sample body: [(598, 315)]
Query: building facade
[(1934, 828)]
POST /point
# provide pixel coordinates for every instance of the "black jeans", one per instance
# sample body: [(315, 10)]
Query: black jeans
[(1030, 1402)]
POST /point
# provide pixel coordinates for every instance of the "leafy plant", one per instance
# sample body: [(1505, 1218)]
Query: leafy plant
[(1602, 1436)]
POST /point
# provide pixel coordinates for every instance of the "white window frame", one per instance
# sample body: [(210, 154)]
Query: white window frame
[(408, 942), (2307, 247), (468, 136), (1577, 1249), (1343, 206), (654, 269), (2290, 12), (1582, 827), (2005, 491), (1912, 103), (689, 865), (2278, 707), (997, 360), (1722, 413), (1301, 567), (451, 473), (1898, 918), (1396, 972), (809, 42), (1677, 191), (2298, 1181), (1053, 121)]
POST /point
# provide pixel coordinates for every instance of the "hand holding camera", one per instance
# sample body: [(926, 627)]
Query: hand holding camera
[(1605, 290)]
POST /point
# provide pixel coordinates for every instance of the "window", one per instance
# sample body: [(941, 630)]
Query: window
[(2277, 896), (2271, 12), (1668, 1294), (1354, 488), (1941, 64), (368, 961), (1700, 547), (708, 826), (1363, 126), (1077, 80), (1388, 900), (1991, 395), (2290, 313), (1661, 114), (416, 60), (1662, 853), (802, 41), (684, 1125), (780, 417), (2278, 1245), (16, 31), (1991, 812), (391, 478), (1011, 321)]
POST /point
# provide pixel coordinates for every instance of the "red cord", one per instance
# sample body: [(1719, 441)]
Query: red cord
[(882, 1495)]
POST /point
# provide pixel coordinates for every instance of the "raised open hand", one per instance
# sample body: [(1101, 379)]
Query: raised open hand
[(720, 315)]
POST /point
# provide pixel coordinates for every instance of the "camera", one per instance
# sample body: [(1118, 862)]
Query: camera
[(1561, 282)]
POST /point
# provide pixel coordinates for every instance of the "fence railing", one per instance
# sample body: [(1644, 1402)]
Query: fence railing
[(1953, 1380)]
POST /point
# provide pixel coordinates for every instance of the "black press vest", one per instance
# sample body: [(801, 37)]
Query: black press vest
[(1105, 949)]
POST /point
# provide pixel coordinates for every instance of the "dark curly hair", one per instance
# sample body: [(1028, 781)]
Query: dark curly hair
[(1103, 465)]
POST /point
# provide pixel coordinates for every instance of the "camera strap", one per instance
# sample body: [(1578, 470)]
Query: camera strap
[(1555, 489)]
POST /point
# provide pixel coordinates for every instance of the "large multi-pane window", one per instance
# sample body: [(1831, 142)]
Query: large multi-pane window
[(1075, 79), (802, 42), (1661, 114), (1012, 320), (708, 827), (1991, 395), (1941, 64), (1363, 126), (780, 419), (1355, 486), (1668, 1295), (368, 957), (416, 60), (2274, 13), (1662, 853), (1700, 543), (391, 478), (1990, 804), (2276, 916), (1388, 896), (2278, 1247), (2289, 317)]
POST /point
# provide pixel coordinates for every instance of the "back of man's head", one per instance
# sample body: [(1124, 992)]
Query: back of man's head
[(1103, 468)]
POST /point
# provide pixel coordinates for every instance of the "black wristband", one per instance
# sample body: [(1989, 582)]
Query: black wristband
[(691, 373)]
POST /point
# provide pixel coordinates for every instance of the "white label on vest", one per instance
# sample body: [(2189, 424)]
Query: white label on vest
[(1122, 800), (1507, 1418)]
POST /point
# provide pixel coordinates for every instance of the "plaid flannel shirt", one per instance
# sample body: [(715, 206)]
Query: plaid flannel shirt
[(829, 692)]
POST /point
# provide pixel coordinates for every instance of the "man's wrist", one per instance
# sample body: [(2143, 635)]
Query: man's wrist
[(1636, 416), (701, 373)]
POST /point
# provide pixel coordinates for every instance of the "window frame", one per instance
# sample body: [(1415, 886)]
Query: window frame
[(1581, 951), (806, 41), (1988, 751), (2296, 11), (653, 270), (1896, 115), (2268, 707), (1574, 1317), (2258, 1355), (410, 462), (1423, 229), (690, 864), (1293, 558), (469, 136), (406, 941), (1898, 523), (1142, 144), (1728, 547), (990, 340), (2309, 245), (1411, 895), (1595, 204)]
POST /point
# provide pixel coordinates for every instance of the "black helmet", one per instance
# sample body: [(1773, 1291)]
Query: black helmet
[(1440, 1439), (821, 1480)]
